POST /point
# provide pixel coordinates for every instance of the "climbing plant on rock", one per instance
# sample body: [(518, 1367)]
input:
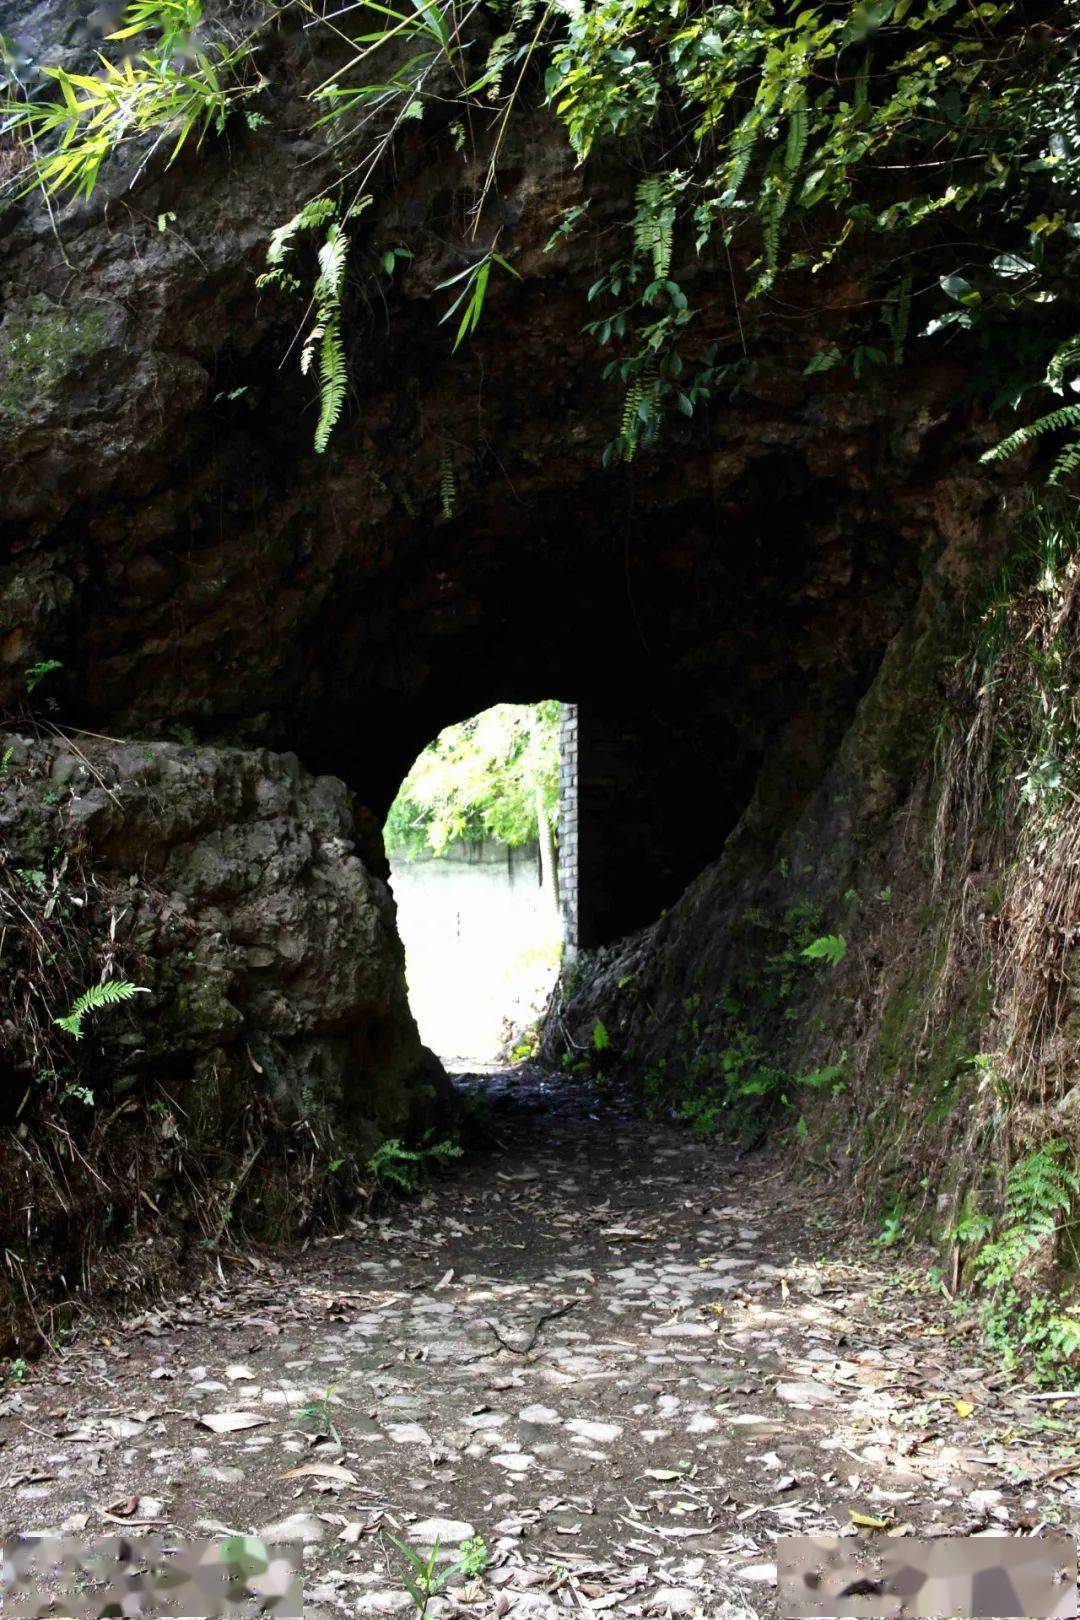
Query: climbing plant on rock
[(777, 141)]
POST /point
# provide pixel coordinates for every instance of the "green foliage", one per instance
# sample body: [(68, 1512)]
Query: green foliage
[(728, 1075), (831, 948), (423, 1579), (1066, 418), (892, 1228), (322, 341), (797, 133), (600, 1038), (404, 1168), (1021, 1317), (488, 777), (160, 93), (474, 1557), (36, 673), (108, 994), (447, 485), (316, 1419), (175, 20), (1039, 1191), (473, 293), (828, 1079)]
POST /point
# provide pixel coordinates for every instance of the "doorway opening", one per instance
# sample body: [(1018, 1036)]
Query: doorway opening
[(472, 840)]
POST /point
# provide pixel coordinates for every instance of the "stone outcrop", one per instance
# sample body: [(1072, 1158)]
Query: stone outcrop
[(248, 899), (757, 613)]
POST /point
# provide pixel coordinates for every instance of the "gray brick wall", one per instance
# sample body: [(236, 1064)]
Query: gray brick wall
[(568, 827)]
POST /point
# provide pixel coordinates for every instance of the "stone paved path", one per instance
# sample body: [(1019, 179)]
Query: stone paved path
[(625, 1358)]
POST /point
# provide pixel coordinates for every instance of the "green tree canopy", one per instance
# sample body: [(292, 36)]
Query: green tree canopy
[(493, 776)]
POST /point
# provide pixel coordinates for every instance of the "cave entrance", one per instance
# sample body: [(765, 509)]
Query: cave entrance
[(472, 839)]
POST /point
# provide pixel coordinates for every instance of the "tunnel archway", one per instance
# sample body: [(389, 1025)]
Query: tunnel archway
[(473, 841)]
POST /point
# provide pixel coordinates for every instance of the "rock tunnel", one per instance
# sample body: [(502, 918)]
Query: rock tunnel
[(662, 360), (220, 651)]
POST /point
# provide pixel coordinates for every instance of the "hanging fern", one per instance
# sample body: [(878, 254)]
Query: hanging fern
[(654, 223), (897, 317), (313, 214), (333, 381), (323, 338), (640, 417), (1067, 465), (798, 128), (447, 485), (497, 58), (1065, 358), (742, 149), (332, 257), (1055, 422), (108, 994)]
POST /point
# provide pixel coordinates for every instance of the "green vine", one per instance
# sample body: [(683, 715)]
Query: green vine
[(775, 140)]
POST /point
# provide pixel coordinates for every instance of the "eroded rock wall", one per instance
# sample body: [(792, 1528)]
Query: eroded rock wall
[(248, 899)]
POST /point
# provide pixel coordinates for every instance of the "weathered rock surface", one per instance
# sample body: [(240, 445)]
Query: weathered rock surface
[(248, 898), (172, 539), (762, 609)]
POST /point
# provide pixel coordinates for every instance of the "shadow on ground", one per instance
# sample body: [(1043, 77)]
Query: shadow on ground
[(624, 1357)]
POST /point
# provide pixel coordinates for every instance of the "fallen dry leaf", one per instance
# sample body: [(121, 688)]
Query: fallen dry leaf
[(866, 1521), (343, 1476), (231, 1422)]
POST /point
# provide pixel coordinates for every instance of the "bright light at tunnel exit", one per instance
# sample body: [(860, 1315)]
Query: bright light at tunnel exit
[(472, 841)]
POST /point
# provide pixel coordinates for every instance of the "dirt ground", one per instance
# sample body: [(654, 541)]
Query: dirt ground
[(625, 1358)]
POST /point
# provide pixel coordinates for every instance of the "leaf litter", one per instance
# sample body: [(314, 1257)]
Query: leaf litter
[(627, 1360)]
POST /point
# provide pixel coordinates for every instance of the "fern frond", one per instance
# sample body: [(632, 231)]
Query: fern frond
[(1067, 464), (314, 213), (1063, 360), (742, 147), (332, 256), (897, 317), (333, 381), (629, 425), (497, 58), (798, 129), (108, 994), (447, 485), (654, 223), (1067, 417), (311, 346), (772, 206)]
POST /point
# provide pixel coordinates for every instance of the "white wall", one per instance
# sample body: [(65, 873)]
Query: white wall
[(481, 943)]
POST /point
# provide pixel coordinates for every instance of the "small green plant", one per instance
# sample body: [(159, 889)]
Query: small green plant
[(79, 1093), (600, 1038), (473, 293), (1066, 419), (1024, 1321), (395, 1165), (475, 1557), (108, 994), (18, 1371), (37, 672), (424, 1579), (315, 1418), (1039, 1192), (828, 1079), (831, 948)]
